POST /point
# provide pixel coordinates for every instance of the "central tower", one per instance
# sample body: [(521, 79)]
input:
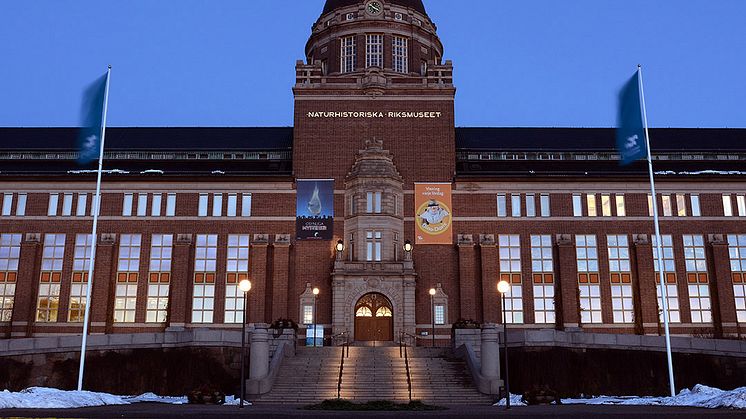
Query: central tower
[(374, 110)]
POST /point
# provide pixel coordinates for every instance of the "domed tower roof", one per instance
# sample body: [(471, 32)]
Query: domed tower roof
[(335, 4)]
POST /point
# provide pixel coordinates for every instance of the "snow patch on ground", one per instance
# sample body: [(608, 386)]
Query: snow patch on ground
[(50, 398), (699, 396)]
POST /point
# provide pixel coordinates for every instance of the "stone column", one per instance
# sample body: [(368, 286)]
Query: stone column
[(258, 268), (721, 285), (181, 282), (646, 297), (490, 351), (489, 261), (280, 278), (467, 270), (568, 282), (102, 298), (27, 285), (259, 353)]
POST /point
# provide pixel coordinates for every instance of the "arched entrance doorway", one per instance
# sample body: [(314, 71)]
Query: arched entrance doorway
[(374, 318)]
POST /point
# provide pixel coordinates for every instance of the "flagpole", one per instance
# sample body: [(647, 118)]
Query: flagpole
[(97, 206), (658, 246)]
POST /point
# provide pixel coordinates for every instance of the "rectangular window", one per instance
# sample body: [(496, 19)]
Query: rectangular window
[(621, 210), (592, 208), (21, 205), (697, 278), (741, 204), (681, 205), (530, 205), (347, 54), (440, 314), (737, 250), (606, 205), (374, 51), (621, 279), (727, 206), (509, 250), (48, 301), (155, 205), (171, 205), (53, 201), (545, 208), (67, 205), (79, 283), (667, 207), (502, 206), (202, 211), (373, 203), (159, 277), (142, 204), (400, 55), (588, 279), (10, 251), (577, 206), (542, 267), (81, 206), (7, 203), (205, 263), (651, 207), (307, 314), (127, 205), (237, 270), (696, 212), (373, 244), (515, 205), (232, 205), (246, 205), (128, 268), (217, 205), (669, 269)]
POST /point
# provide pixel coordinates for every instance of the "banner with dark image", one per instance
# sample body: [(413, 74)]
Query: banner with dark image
[(315, 210)]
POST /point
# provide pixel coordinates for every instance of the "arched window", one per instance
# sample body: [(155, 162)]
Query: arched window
[(383, 312), (363, 312)]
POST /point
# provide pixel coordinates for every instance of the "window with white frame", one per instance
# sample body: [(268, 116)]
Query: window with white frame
[(155, 205), (307, 314), (347, 54), (509, 250), (588, 278), (544, 204), (373, 241), (606, 205), (217, 205), (7, 204), (159, 277), (205, 263), (727, 206), (127, 205), (577, 205), (400, 55), (737, 251), (374, 50), (591, 202), (48, 299), (79, 283), (440, 314), (621, 278), (667, 207), (621, 210), (232, 209), (373, 202), (515, 205), (246, 205), (67, 204), (128, 270), (502, 205), (142, 204), (697, 278), (21, 205), (10, 253), (741, 205), (694, 200), (82, 205), (171, 205), (650, 205), (681, 205), (530, 205), (669, 274), (237, 270), (202, 208), (53, 203), (542, 267)]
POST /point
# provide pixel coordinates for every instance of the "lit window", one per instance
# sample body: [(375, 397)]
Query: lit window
[(307, 314), (588, 279), (171, 205), (727, 206), (127, 205), (237, 270), (530, 205), (509, 250), (47, 303), (591, 201), (347, 55), (577, 206), (373, 243), (621, 279), (440, 314), (217, 205), (374, 51), (79, 283), (502, 206), (400, 55), (142, 204), (697, 278), (246, 205), (155, 205), (681, 205), (741, 203), (542, 268), (159, 277), (202, 211), (621, 210), (515, 205), (545, 208), (737, 247), (10, 250), (7, 203), (651, 205), (82, 204), (21, 206), (606, 205), (667, 207), (694, 199), (205, 262), (128, 268), (672, 292), (232, 205)]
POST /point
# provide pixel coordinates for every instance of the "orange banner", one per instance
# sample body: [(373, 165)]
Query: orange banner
[(432, 202)]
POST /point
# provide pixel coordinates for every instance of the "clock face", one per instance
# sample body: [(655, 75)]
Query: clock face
[(375, 7)]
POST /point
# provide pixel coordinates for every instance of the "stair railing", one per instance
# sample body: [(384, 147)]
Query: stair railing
[(409, 375), (404, 339), (344, 337)]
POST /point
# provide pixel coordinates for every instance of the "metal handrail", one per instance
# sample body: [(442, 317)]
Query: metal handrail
[(341, 370), (345, 346), (409, 376), (402, 336)]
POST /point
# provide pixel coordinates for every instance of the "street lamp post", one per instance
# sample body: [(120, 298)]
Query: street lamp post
[(245, 286), (503, 287), (315, 323), (432, 311)]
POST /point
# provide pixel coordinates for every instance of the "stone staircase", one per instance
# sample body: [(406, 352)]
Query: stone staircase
[(374, 373)]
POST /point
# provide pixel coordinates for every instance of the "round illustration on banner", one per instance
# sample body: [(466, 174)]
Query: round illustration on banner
[(433, 217)]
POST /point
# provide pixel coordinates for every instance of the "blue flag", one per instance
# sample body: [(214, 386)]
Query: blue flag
[(92, 111), (630, 135)]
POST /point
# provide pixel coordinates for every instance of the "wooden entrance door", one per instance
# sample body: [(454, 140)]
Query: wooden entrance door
[(374, 319)]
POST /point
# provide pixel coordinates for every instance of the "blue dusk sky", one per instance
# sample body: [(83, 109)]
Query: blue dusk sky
[(231, 62)]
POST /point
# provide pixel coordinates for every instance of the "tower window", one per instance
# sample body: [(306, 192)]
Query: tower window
[(348, 55), (400, 55), (374, 51)]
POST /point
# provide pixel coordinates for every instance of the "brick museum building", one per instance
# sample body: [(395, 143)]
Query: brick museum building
[(187, 213)]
